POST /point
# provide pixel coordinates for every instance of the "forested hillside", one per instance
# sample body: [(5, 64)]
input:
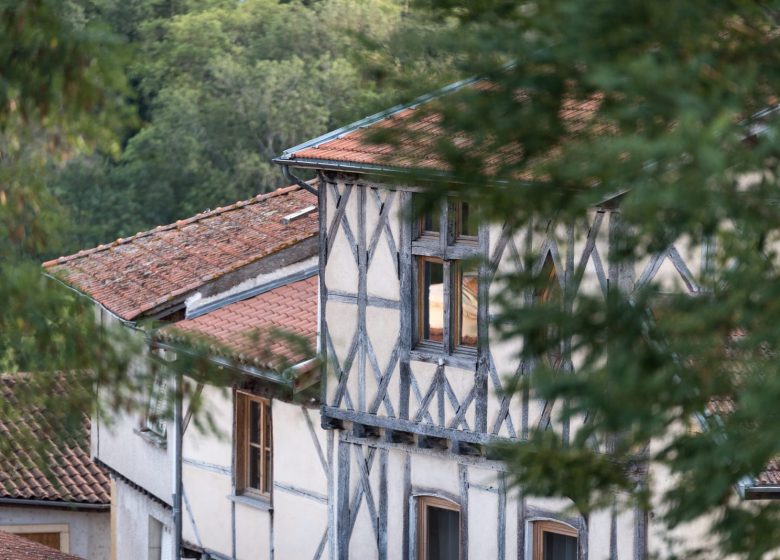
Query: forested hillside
[(221, 86)]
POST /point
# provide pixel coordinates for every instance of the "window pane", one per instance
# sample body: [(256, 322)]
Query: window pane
[(469, 288), (443, 534), (559, 547), (431, 222), (433, 301), (468, 224), (254, 422), (254, 468)]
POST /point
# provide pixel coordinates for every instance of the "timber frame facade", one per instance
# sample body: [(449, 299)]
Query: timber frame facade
[(415, 421)]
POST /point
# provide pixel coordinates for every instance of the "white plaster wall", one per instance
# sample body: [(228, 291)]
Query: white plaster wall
[(89, 533), (116, 443), (383, 261), (133, 510), (299, 494), (209, 447), (208, 494)]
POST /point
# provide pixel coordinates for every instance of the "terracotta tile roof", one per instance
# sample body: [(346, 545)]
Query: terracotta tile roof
[(771, 475), (136, 274), (16, 547), (353, 146), (239, 327), (32, 432)]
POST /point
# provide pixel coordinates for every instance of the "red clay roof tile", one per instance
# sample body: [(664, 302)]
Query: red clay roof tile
[(137, 274), (74, 477), (239, 327), (417, 145)]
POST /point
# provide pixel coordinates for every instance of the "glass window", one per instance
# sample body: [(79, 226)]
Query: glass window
[(430, 223), (432, 296), (438, 529), (447, 283), (467, 222), (468, 288), (157, 408), (253, 445), (554, 541)]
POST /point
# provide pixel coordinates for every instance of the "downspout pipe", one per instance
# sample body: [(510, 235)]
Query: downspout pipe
[(177, 465), (290, 176)]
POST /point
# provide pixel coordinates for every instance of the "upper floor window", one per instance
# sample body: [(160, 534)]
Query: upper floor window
[(446, 251), (254, 444), (156, 408), (554, 541)]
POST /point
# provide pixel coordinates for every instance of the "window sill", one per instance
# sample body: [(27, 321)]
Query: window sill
[(150, 437), (256, 503), (432, 353)]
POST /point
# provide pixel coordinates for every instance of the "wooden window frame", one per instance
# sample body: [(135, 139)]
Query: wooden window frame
[(423, 503), (63, 529), (155, 418), (243, 401), (452, 250), (549, 526)]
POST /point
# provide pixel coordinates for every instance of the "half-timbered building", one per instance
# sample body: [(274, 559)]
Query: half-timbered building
[(414, 387), (228, 278)]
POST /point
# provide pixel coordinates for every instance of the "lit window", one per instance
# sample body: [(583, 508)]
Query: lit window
[(432, 296), (438, 529), (446, 251), (253, 445), (554, 541)]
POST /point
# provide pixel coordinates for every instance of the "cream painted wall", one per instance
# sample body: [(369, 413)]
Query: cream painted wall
[(215, 519), (440, 472)]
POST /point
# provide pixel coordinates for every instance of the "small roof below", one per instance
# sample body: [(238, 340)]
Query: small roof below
[(32, 431), (16, 547), (137, 274), (242, 330)]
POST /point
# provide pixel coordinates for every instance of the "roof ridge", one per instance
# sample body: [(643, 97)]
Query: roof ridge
[(177, 224)]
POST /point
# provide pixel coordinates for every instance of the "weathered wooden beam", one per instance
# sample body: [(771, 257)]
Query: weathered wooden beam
[(463, 475), (407, 304), (483, 339), (344, 528), (382, 521), (404, 425), (323, 291)]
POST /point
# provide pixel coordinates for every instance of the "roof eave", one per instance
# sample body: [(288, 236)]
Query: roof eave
[(72, 505), (762, 492)]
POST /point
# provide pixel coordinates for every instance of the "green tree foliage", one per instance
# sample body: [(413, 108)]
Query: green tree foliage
[(677, 89), (223, 87), (60, 94)]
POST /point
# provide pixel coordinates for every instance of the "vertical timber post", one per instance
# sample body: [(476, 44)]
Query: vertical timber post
[(406, 319)]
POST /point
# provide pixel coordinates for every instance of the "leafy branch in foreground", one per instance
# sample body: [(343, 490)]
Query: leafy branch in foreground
[(666, 111)]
